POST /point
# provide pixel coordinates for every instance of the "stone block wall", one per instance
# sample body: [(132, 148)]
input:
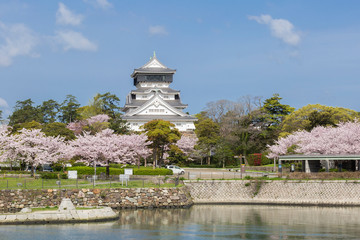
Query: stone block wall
[(15, 200), (314, 192)]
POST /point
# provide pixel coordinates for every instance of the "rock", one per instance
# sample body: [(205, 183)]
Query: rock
[(26, 210), (66, 205)]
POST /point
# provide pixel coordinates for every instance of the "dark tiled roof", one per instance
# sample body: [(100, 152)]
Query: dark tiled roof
[(143, 89)]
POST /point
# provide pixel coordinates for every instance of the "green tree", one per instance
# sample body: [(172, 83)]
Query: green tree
[(24, 112), (27, 125), (108, 104), (314, 115), (161, 134), (49, 111), (224, 153), (207, 133), (58, 129), (68, 109), (111, 107), (275, 112)]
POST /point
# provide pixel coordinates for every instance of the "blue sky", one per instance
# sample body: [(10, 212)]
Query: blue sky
[(307, 51)]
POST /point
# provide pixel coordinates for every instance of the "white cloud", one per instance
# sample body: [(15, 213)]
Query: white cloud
[(75, 40), (65, 17), (280, 28), (104, 4), (17, 40), (157, 30), (3, 103)]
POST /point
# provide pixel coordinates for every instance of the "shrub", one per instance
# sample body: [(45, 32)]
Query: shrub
[(117, 171), (90, 170), (157, 171), (253, 160), (8, 168), (52, 175), (57, 167), (78, 164)]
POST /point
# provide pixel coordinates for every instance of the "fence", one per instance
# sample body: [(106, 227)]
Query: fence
[(226, 175), (88, 182)]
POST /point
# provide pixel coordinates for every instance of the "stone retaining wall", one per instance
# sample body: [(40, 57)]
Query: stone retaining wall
[(15, 200), (315, 192)]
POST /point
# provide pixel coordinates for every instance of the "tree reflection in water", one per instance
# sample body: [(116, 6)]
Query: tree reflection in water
[(248, 222)]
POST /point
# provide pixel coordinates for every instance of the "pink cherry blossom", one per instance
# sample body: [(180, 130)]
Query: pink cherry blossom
[(343, 139)]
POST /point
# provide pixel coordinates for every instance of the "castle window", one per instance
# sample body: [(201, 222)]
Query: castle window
[(133, 96), (177, 96)]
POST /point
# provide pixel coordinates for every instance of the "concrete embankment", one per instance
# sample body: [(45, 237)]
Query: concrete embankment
[(67, 213), (291, 192)]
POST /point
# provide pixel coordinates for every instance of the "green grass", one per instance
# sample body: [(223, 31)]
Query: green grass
[(30, 183), (44, 209)]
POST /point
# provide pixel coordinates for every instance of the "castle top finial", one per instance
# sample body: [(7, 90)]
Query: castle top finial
[(154, 55)]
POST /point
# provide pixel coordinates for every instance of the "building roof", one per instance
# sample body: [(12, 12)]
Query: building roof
[(153, 66), (148, 89)]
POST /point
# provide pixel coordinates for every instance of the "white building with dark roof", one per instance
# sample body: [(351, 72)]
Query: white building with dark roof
[(154, 99)]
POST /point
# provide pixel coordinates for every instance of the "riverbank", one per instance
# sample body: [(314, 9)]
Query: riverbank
[(12, 201), (284, 192), (269, 192)]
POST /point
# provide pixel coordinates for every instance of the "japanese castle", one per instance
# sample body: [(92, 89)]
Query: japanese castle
[(154, 99)]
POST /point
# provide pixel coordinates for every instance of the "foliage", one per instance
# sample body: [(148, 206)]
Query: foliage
[(69, 109), (53, 175), (78, 164), (176, 156), (58, 129), (49, 111), (274, 111), (160, 135), (117, 171), (105, 104), (24, 112), (27, 125), (224, 154), (207, 132), (313, 115), (263, 160)]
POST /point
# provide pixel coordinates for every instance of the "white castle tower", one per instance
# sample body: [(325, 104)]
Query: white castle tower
[(154, 99)]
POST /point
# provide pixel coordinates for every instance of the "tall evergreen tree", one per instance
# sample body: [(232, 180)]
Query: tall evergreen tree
[(24, 112), (68, 109)]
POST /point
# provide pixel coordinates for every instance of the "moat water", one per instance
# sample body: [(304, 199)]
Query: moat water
[(207, 222)]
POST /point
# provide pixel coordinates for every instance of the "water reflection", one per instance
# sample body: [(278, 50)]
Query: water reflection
[(250, 222), (207, 222)]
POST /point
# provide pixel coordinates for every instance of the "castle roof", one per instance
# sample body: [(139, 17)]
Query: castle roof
[(153, 66)]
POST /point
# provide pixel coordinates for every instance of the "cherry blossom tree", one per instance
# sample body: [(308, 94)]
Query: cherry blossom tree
[(187, 144), (33, 147), (106, 147), (343, 139), (93, 124)]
